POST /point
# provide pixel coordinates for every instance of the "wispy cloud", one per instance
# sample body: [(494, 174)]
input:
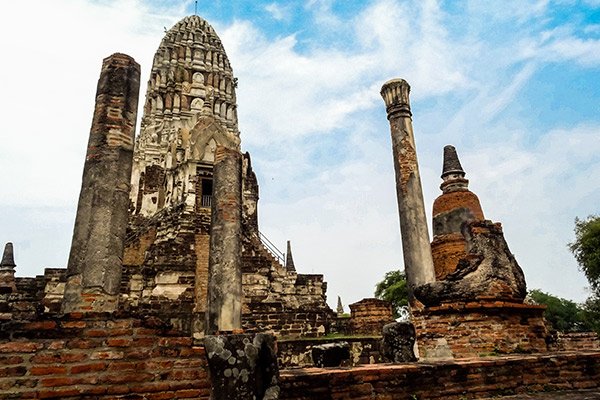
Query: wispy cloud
[(279, 12), (312, 117)]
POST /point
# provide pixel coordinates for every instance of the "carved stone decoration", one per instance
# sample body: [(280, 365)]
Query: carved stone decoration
[(179, 94), (488, 272), (243, 366), (397, 344), (205, 131)]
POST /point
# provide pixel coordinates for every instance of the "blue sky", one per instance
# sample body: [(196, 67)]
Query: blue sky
[(513, 85)]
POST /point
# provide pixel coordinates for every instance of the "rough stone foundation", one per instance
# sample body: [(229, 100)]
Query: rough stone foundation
[(100, 358), (478, 329), (128, 358), (459, 380)]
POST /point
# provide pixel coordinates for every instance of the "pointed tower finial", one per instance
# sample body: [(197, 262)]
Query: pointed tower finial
[(7, 270), (451, 162), (453, 175), (8, 258), (289, 260), (340, 307)]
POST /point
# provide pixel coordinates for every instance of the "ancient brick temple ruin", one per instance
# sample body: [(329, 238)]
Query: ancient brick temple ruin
[(476, 304), (168, 272), (467, 289), (189, 112)]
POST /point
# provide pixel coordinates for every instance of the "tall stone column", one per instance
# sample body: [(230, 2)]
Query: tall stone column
[(224, 308), (95, 261), (418, 262)]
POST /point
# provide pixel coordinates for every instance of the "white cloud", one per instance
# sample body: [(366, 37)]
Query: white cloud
[(537, 192), (278, 12), (313, 119), (294, 94)]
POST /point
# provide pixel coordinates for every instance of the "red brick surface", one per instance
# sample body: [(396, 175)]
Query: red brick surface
[(481, 328), (108, 359), (457, 380)]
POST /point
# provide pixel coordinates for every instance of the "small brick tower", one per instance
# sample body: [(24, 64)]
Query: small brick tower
[(475, 305), (455, 206)]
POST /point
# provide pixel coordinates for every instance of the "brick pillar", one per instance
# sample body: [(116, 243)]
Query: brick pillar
[(418, 262), (7, 270), (95, 261), (224, 308)]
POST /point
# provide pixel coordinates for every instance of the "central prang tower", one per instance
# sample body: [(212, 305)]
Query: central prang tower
[(190, 108), (177, 183)]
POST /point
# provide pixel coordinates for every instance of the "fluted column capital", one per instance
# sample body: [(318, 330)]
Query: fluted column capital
[(395, 93)]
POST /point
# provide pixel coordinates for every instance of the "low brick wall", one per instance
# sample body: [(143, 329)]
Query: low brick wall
[(462, 379), (104, 357), (475, 329), (99, 358), (576, 341), (298, 353), (273, 317), (368, 316)]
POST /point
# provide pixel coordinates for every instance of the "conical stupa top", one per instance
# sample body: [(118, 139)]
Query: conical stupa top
[(340, 307), (8, 259), (289, 260), (451, 162), (189, 66)]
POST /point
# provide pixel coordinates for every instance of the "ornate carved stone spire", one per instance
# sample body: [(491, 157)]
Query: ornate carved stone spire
[(289, 259), (7, 270), (190, 96)]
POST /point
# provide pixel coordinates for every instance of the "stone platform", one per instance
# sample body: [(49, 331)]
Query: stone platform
[(481, 328), (490, 377)]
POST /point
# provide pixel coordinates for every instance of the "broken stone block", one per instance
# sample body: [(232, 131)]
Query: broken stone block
[(330, 354), (242, 366), (489, 271), (398, 342)]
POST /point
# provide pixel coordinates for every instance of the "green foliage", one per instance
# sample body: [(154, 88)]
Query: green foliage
[(591, 313), (586, 249), (563, 314), (394, 289)]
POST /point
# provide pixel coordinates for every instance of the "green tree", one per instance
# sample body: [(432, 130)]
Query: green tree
[(563, 314), (394, 289), (586, 249), (591, 313)]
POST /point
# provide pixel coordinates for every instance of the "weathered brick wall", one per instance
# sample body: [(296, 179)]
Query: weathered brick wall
[(101, 358), (575, 341), (274, 318), (464, 379), (482, 328), (26, 302), (137, 245), (368, 316), (446, 251), (298, 352)]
